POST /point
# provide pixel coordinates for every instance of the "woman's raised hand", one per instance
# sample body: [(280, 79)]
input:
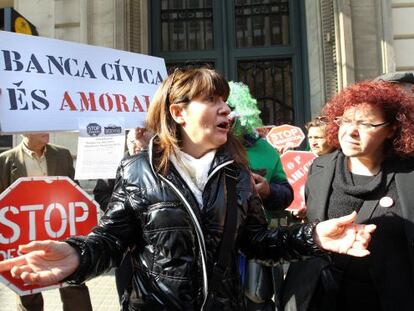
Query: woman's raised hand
[(42, 262), (341, 235)]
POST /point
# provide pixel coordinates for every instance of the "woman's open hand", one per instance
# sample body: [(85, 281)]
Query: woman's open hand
[(42, 262), (341, 235)]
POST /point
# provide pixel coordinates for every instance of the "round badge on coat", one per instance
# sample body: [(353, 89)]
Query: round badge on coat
[(386, 202)]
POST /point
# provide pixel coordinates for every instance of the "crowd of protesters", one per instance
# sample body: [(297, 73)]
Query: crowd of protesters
[(187, 221)]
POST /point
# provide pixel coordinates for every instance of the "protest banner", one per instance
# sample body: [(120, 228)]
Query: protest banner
[(48, 84), (296, 166)]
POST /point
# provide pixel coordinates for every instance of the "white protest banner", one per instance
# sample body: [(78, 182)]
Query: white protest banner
[(48, 84)]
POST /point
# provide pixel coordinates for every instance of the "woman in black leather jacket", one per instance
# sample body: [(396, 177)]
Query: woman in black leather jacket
[(169, 209)]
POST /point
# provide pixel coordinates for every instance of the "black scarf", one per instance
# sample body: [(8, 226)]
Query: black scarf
[(347, 197)]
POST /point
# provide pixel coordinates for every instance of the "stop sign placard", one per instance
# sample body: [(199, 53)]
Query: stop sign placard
[(296, 166), (41, 208), (285, 136)]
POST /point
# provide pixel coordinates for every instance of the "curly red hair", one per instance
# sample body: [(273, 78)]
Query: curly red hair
[(396, 105)]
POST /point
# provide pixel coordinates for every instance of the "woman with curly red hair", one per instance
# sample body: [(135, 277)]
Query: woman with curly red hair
[(371, 124), (395, 105)]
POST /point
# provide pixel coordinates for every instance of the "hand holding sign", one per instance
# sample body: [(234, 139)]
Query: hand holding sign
[(42, 263), (35, 209)]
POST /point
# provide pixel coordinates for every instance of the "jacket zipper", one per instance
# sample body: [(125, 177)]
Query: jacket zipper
[(199, 231), (218, 168), (208, 179), (200, 236)]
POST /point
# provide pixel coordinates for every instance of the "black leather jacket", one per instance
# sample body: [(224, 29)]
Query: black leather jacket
[(174, 242)]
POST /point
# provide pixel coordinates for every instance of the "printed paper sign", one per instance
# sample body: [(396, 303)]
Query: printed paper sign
[(101, 146)]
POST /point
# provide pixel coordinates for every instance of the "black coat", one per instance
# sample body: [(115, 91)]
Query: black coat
[(382, 269), (174, 242)]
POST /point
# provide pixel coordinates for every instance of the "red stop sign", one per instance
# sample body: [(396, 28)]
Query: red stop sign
[(41, 208), (285, 136), (296, 166)]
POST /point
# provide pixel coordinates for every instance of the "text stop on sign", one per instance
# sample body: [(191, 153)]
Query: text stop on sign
[(285, 136), (41, 208)]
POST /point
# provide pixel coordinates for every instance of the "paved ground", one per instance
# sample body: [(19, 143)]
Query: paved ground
[(102, 291)]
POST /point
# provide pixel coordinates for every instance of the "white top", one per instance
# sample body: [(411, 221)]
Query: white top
[(35, 165), (194, 171)]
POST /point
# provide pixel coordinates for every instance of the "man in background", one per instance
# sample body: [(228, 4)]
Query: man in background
[(316, 137), (34, 156)]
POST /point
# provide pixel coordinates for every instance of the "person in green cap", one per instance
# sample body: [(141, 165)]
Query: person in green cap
[(271, 184)]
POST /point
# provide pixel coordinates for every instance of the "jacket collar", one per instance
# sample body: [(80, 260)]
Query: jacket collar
[(18, 169), (51, 160), (322, 173), (404, 178), (319, 184), (222, 156), (151, 154)]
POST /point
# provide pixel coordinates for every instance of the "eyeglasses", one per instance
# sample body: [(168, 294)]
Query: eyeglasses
[(360, 125)]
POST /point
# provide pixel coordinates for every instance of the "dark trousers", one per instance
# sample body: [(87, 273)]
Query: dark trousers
[(74, 298)]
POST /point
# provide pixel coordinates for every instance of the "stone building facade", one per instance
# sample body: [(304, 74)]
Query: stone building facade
[(338, 41)]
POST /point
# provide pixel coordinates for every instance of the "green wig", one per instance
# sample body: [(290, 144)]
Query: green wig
[(245, 107)]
